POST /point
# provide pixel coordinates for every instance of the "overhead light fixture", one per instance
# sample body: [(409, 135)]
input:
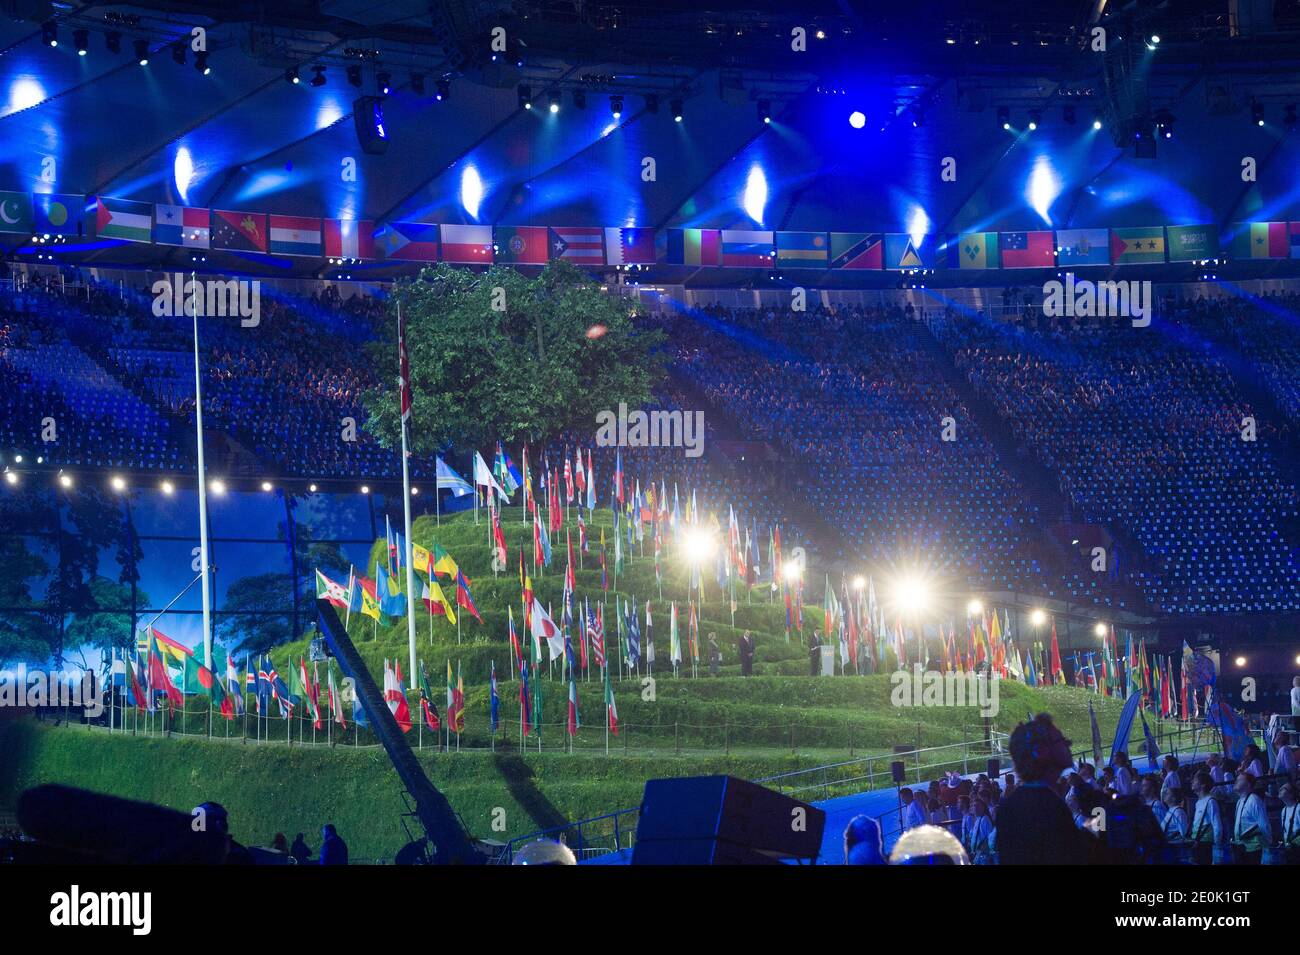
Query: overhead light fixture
[(383, 82), (580, 99), (141, 51), (417, 84), (616, 106), (266, 485), (765, 110), (50, 33), (81, 40), (291, 75), (652, 103), (1257, 112), (217, 486), (201, 63), (117, 482), (167, 487), (1035, 117), (1096, 120), (554, 97), (318, 76), (11, 477), (525, 97), (676, 106), (857, 119), (443, 90), (365, 489)]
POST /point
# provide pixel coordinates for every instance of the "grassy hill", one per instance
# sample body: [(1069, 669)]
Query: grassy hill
[(779, 720)]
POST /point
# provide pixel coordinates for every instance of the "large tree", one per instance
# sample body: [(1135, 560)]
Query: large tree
[(499, 355), (257, 613), (110, 625)]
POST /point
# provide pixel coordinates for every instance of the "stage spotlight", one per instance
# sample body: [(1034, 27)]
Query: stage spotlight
[(859, 582), (167, 487), (201, 64), (857, 119), (918, 118), (580, 99), (81, 40), (1165, 124), (765, 110), (1240, 661), (616, 106), (1069, 115), (1004, 117), (365, 489), (1153, 41), (291, 75), (414, 491), (312, 488), (141, 51), (652, 103), (65, 480), (18, 459), (178, 54), (117, 482), (417, 84), (1096, 120), (50, 33), (354, 75), (1099, 629), (442, 90), (975, 608), (1035, 117), (266, 485), (383, 83), (554, 97), (217, 486), (699, 546), (525, 97), (11, 477), (1257, 112), (676, 106), (792, 570), (911, 595), (113, 41), (318, 76), (1038, 617)]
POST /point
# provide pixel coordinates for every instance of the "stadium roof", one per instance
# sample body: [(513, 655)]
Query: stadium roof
[(243, 137)]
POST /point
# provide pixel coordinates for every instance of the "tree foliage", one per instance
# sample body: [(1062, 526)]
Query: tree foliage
[(501, 356)]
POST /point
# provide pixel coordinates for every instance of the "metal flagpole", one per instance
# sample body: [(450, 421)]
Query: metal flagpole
[(203, 494), (404, 398)]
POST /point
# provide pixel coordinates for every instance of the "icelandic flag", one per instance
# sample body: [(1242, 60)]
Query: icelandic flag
[(181, 225), (471, 244), (630, 246), (409, 241), (294, 235), (349, 239)]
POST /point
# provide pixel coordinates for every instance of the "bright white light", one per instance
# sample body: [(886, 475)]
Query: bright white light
[(167, 487), (1240, 661), (1044, 186), (11, 477), (471, 191), (859, 582), (1099, 629), (118, 483), (975, 608), (911, 595), (699, 545), (414, 491), (183, 171), (1038, 617), (792, 570), (65, 480), (857, 119), (918, 225), (266, 485), (755, 200), (312, 488), (217, 486), (24, 93), (365, 489)]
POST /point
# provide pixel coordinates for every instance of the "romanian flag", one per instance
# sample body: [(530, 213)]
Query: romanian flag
[(694, 247)]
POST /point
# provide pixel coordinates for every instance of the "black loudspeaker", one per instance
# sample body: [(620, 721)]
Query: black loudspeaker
[(898, 769), (993, 769), (368, 116), (721, 820)]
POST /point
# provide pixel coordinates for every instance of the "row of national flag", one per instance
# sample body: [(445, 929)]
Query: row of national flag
[(126, 220)]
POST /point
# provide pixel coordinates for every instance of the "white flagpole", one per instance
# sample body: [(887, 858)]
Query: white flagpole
[(406, 505), (203, 491)]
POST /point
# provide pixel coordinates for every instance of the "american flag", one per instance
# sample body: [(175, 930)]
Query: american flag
[(597, 637)]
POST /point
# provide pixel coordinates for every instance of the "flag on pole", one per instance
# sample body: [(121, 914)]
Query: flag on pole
[(494, 703), (449, 480), (611, 710), (427, 704)]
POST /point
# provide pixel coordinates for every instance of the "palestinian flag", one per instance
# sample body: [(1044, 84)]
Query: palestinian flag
[(123, 219)]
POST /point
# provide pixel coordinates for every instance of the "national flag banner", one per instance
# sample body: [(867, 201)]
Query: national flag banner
[(335, 593), (802, 250), (1083, 247), (169, 648), (1027, 250), (973, 250), (582, 245), (857, 250), (748, 249), (239, 231), (521, 245), (58, 214), (16, 212), (349, 238), (903, 251), (630, 246), (294, 235), (1140, 246), (409, 241), (183, 226), (1295, 240), (466, 244), (694, 247), (1260, 240), (1191, 243), (122, 219)]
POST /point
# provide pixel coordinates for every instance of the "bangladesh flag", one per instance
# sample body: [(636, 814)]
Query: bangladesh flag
[(1137, 246), (123, 219), (16, 212), (1189, 243)]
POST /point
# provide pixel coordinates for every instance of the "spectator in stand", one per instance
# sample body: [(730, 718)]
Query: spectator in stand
[(911, 813), (1033, 824)]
